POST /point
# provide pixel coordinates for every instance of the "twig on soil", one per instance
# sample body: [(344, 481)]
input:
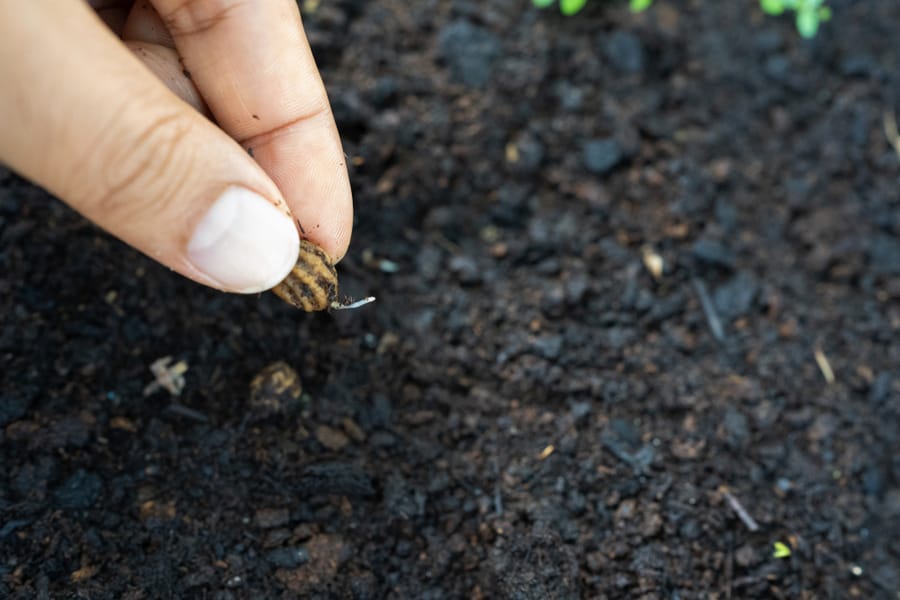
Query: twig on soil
[(498, 492), (181, 410), (729, 567), (824, 366), (709, 310), (739, 509), (441, 240), (890, 130)]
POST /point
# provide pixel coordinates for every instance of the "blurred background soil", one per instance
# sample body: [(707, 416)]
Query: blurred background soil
[(636, 274)]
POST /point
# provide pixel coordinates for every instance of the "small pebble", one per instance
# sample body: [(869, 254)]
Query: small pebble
[(331, 438), (624, 52), (602, 155), (269, 518), (714, 253), (288, 558)]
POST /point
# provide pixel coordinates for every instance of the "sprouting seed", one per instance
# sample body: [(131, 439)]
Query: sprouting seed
[(312, 284)]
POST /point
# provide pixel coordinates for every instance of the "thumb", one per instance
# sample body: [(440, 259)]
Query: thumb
[(82, 117)]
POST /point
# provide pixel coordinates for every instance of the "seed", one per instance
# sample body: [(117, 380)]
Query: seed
[(312, 283)]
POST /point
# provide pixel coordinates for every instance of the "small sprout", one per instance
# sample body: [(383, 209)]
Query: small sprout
[(566, 7), (571, 7), (351, 305), (546, 452), (824, 366), (772, 7), (782, 550), (653, 262), (809, 14), (639, 5)]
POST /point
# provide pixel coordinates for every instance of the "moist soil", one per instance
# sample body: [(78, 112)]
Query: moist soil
[(635, 275)]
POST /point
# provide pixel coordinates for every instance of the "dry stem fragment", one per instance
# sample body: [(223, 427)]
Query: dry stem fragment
[(890, 130), (824, 366), (167, 376), (739, 509)]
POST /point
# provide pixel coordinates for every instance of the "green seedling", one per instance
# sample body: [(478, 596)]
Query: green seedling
[(571, 7), (566, 7), (808, 14), (782, 550)]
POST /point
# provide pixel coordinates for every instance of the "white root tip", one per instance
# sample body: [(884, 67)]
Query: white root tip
[(357, 304)]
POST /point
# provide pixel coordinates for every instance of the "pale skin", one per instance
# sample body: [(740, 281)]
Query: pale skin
[(143, 115)]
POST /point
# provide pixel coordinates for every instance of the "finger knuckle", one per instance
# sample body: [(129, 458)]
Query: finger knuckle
[(194, 17), (148, 170)]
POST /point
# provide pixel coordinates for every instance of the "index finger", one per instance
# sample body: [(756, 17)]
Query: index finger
[(255, 70)]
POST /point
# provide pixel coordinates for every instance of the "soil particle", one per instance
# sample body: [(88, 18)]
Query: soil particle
[(12, 408), (714, 253), (735, 297), (601, 155), (624, 51), (333, 439), (80, 490), (470, 51), (288, 558), (466, 269), (323, 556), (885, 255), (334, 478), (735, 428), (535, 566), (268, 518)]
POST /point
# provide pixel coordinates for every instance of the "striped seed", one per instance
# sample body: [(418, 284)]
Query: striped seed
[(312, 283)]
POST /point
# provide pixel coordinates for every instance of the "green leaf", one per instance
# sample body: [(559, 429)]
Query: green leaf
[(542, 3), (782, 550), (570, 7), (640, 5), (807, 23), (772, 7)]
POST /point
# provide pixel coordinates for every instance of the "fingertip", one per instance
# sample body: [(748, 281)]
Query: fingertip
[(243, 243), (336, 246)]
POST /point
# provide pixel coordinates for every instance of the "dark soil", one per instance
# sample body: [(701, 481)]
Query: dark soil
[(526, 411)]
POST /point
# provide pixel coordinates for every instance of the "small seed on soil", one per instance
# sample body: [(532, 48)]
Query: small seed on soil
[(274, 390)]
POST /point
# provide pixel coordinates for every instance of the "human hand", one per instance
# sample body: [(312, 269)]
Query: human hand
[(121, 130)]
